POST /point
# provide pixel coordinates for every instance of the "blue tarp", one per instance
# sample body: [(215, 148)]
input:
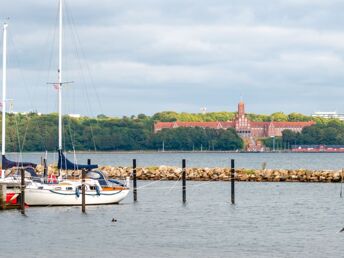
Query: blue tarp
[(7, 164), (66, 164)]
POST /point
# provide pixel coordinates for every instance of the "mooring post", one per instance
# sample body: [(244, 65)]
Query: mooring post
[(184, 180), (22, 191), (83, 189), (45, 171), (134, 181), (232, 182), (3, 190), (88, 161)]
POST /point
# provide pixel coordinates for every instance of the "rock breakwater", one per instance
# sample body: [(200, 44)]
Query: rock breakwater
[(221, 174)]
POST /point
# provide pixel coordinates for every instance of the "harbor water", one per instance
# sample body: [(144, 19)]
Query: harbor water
[(200, 159), (269, 220)]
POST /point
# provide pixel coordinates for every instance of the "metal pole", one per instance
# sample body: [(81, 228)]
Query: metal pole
[(273, 143), (22, 192), (59, 74), (232, 182), (83, 187), (134, 181), (4, 73), (184, 180)]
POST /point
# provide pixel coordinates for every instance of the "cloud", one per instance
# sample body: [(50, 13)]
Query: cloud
[(147, 56)]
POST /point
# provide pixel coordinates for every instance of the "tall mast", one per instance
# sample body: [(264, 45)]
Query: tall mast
[(60, 77), (4, 70)]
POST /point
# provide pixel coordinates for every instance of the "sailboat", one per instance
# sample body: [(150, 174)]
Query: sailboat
[(99, 189), (11, 182)]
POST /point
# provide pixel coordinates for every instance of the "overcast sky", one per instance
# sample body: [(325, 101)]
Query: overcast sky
[(145, 56)]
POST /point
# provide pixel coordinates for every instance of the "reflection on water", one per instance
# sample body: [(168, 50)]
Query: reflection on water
[(269, 220)]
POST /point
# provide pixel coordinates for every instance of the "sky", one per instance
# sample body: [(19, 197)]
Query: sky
[(134, 56)]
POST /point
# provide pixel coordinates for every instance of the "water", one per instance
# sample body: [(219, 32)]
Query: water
[(205, 159), (269, 220)]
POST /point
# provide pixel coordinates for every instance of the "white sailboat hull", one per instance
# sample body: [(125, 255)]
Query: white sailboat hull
[(49, 197)]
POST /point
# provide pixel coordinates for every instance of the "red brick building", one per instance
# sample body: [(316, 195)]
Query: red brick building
[(243, 126)]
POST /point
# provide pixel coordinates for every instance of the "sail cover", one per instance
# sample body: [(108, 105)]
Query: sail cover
[(66, 164), (7, 164)]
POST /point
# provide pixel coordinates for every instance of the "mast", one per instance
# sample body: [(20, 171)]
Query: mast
[(4, 70), (59, 71), (60, 77)]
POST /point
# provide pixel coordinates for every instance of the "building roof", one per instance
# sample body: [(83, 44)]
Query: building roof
[(218, 124)]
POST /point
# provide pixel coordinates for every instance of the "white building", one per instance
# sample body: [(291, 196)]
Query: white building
[(332, 114), (74, 115)]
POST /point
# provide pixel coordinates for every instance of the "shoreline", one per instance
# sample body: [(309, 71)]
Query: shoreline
[(177, 151)]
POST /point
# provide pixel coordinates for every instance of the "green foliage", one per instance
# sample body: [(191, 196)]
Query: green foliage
[(196, 139), (327, 132), (297, 117), (33, 132), (169, 116), (278, 145), (279, 117), (39, 133)]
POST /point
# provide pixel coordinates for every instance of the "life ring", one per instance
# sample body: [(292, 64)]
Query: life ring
[(52, 179)]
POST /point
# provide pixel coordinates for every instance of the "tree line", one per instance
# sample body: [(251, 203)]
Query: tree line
[(324, 132), (33, 132)]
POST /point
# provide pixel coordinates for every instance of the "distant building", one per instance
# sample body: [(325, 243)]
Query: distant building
[(246, 128), (332, 114), (74, 115)]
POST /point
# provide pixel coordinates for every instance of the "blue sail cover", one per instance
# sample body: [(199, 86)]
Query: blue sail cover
[(7, 164), (66, 164)]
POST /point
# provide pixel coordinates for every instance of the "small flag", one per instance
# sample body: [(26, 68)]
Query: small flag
[(56, 86)]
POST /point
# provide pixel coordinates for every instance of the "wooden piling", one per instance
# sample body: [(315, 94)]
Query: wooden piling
[(45, 171), (232, 182), (184, 180), (3, 191), (88, 161), (134, 181), (22, 191), (83, 189)]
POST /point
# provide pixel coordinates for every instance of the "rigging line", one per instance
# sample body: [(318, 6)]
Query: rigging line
[(154, 182), (19, 66), (50, 61), (19, 158), (72, 141), (25, 132), (174, 185), (78, 58), (77, 38), (93, 139), (43, 135)]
